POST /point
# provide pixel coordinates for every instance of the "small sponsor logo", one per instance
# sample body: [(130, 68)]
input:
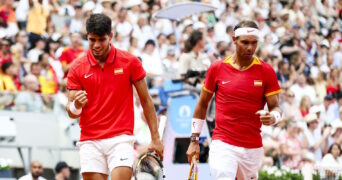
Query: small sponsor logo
[(123, 159), (225, 82), (249, 31), (87, 75)]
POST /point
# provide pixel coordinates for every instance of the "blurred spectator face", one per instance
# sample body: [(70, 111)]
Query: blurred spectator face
[(5, 46), (122, 14), (335, 151), (162, 39), (40, 44), (66, 173), (313, 125), (76, 40), (22, 38), (13, 70), (245, 46), (45, 60), (149, 48), (290, 97), (31, 83), (141, 21), (301, 80), (53, 45), (36, 69), (36, 169)]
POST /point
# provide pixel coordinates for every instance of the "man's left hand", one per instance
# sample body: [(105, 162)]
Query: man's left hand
[(266, 118), (157, 146)]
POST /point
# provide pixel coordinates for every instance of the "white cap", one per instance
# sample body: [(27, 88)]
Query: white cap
[(199, 25)]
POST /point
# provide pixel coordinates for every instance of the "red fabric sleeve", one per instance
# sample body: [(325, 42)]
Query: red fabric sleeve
[(137, 72), (271, 86), (210, 78), (73, 82)]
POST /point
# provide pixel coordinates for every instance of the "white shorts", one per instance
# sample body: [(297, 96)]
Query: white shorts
[(228, 162), (102, 156)]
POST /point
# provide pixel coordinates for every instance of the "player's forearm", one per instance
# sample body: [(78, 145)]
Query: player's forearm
[(151, 118), (200, 113), (71, 115)]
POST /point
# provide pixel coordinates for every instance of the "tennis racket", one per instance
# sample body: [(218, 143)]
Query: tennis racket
[(149, 167), (193, 173)]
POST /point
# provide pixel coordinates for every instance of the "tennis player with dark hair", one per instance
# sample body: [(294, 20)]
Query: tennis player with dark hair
[(101, 93), (242, 84)]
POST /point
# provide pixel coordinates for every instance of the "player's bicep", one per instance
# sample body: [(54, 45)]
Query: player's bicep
[(272, 101)]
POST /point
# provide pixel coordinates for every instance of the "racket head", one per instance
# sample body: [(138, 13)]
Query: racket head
[(149, 167)]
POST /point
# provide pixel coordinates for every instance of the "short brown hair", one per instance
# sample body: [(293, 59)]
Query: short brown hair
[(246, 23)]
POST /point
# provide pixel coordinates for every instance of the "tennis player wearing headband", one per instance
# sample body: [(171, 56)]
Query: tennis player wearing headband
[(242, 84), (101, 93)]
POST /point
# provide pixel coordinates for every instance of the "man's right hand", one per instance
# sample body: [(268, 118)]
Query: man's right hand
[(193, 149), (80, 99)]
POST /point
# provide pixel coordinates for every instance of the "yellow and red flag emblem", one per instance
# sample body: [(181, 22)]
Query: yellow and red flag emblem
[(257, 83), (118, 71)]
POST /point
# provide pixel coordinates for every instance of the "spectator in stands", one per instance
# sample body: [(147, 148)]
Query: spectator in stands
[(291, 110), (28, 100), (10, 81), (70, 53), (8, 22), (301, 88), (38, 49), (36, 21), (36, 171), (290, 146), (333, 157), (313, 140), (192, 59), (5, 53), (62, 171), (48, 79), (151, 60)]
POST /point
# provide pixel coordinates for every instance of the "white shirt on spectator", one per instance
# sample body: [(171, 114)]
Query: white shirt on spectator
[(151, 63), (329, 160), (299, 92), (312, 139), (33, 54), (33, 102), (29, 177)]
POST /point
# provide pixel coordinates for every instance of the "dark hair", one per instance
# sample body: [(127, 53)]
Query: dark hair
[(40, 57), (191, 42), (5, 66), (99, 24), (338, 146), (246, 23), (150, 42), (60, 166)]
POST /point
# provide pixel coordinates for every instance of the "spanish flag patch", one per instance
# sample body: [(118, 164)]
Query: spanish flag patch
[(257, 83), (118, 71)]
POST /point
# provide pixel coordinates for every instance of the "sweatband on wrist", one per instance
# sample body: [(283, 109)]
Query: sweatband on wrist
[(197, 125), (246, 31), (73, 109), (276, 116)]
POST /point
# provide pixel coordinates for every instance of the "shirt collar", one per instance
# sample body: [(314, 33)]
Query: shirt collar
[(110, 59), (228, 60)]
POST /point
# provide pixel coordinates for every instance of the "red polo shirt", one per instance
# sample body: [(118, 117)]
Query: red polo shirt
[(109, 110), (238, 96)]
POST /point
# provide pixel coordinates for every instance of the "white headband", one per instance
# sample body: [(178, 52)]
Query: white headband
[(246, 31)]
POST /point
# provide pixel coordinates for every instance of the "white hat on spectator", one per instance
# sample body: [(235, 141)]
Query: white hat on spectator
[(103, 1), (132, 3), (325, 43), (199, 25), (308, 156), (315, 109), (284, 12), (335, 125), (88, 6), (187, 22), (310, 118)]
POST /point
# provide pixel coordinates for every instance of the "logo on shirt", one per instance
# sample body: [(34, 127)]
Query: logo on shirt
[(225, 82), (123, 159), (87, 75), (257, 83), (118, 71)]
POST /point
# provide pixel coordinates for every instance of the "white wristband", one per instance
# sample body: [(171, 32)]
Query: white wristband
[(73, 109), (197, 125), (276, 116)]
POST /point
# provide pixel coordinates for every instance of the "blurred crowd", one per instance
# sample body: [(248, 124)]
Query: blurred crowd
[(302, 40)]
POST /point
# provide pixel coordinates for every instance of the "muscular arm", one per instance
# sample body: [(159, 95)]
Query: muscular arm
[(202, 105), (148, 107), (273, 103)]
